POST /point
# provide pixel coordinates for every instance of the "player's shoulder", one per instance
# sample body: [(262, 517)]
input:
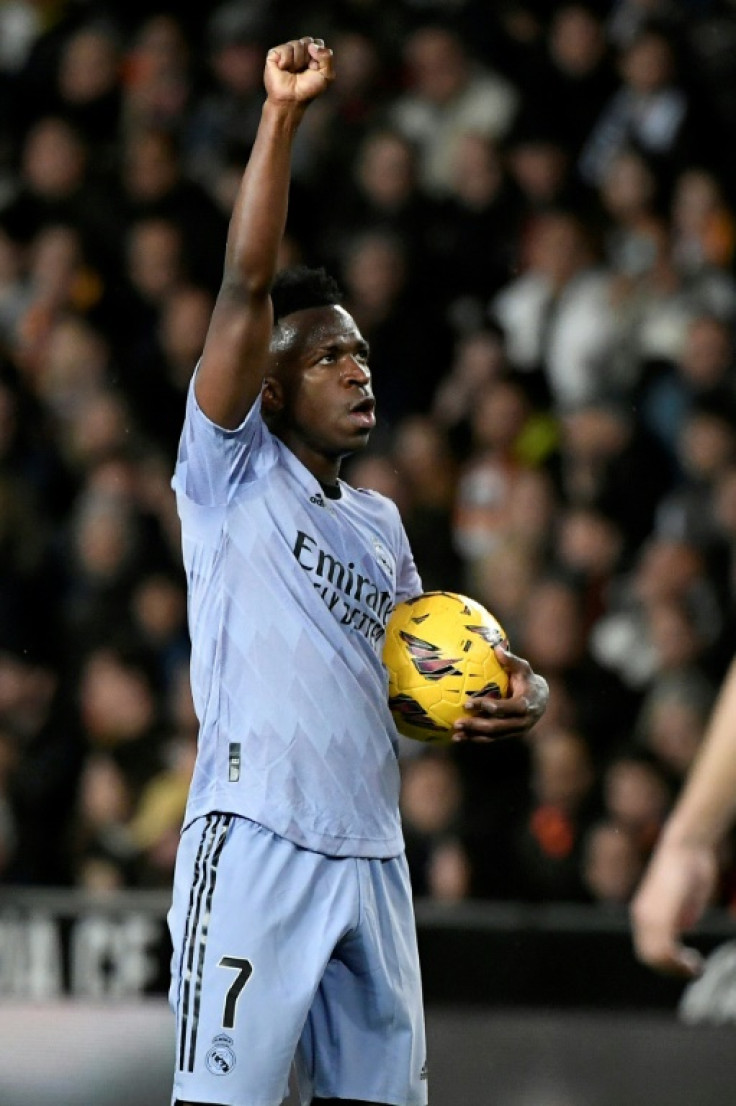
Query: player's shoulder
[(375, 503), (377, 497)]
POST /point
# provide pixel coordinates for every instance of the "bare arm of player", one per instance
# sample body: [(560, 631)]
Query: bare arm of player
[(680, 878), (234, 358), (490, 719)]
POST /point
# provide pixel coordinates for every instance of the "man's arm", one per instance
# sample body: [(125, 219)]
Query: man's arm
[(234, 358), (682, 873)]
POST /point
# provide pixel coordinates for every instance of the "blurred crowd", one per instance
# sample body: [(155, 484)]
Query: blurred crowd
[(531, 207)]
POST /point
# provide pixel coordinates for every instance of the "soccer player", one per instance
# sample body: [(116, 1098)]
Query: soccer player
[(682, 875), (292, 924)]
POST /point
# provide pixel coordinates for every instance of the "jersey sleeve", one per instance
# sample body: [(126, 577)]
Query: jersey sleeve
[(213, 463)]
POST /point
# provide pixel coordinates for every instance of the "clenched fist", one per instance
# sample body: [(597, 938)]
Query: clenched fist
[(298, 71)]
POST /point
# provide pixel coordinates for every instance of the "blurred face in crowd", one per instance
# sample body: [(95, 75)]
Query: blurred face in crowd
[(532, 508), (103, 540), (502, 579), (707, 353), (553, 637), (667, 569), (635, 794), (73, 368), (501, 412), (55, 253), (477, 172), (479, 358), (89, 66), (648, 65), (589, 542), (183, 326), (539, 167), (238, 64), (359, 64), (438, 68), (159, 607), (558, 248), (116, 699), (431, 793), (697, 197), (386, 170), (628, 186), (378, 473), (423, 457), (154, 253), (54, 159), (674, 635), (375, 273), (151, 165), (595, 432), (577, 40), (707, 444), (674, 732), (612, 864), (562, 769)]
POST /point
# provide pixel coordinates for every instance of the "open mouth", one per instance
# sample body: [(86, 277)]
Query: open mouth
[(364, 412)]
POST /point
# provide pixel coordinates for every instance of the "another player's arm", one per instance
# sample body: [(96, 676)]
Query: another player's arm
[(490, 719), (679, 881), (233, 362)]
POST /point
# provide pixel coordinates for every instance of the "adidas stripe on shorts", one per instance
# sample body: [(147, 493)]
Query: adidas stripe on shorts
[(282, 955)]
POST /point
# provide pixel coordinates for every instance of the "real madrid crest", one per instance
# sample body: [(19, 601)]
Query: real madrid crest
[(383, 557), (220, 1059)]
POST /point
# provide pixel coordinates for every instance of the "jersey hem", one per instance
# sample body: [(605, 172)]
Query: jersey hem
[(325, 844)]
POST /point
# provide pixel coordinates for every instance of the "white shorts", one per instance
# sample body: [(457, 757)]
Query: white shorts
[(284, 955)]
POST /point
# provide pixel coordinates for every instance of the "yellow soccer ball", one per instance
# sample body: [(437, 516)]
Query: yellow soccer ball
[(438, 652)]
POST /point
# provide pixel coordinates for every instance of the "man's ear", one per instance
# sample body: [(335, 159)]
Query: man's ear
[(272, 396)]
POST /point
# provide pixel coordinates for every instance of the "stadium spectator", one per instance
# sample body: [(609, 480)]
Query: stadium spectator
[(651, 110), (89, 93), (547, 841), (431, 809), (477, 233), (556, 315), (636, 796), (395, 320), (611, 865), (154, 186), (672, 721), (447, 96), (699, 370), (576, 79), (552, 631), (384, 196)]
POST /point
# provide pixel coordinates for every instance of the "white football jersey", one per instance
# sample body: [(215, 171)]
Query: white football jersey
[(289, 592)]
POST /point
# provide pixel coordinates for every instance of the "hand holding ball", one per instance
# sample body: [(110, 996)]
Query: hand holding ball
[(439, 651)]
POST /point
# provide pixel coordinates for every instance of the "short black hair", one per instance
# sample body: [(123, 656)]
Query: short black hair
[(300, 287)]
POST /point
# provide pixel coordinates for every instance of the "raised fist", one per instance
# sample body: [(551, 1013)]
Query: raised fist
[(298, 71)]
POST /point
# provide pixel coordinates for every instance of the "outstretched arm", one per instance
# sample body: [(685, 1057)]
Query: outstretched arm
[(681, 875), (234, 358)]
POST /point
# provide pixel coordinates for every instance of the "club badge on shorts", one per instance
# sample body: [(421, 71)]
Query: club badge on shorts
[(220, 1059)]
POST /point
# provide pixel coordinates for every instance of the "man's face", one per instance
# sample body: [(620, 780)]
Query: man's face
[(318, 390)]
